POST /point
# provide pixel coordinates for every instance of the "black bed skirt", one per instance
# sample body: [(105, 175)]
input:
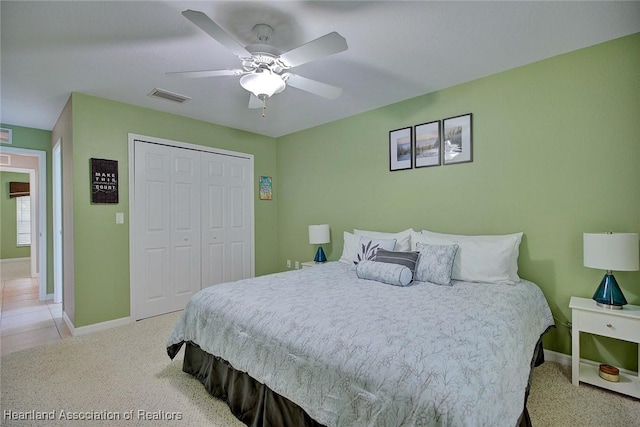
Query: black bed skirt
[(257, 405), (251, 402)]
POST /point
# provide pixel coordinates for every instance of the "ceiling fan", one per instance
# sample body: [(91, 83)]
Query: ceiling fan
[(264, 68)]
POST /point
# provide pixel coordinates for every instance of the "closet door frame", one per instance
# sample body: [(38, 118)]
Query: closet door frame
[(132, 202)]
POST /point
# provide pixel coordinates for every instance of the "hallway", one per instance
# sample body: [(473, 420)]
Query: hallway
[(25, 321)]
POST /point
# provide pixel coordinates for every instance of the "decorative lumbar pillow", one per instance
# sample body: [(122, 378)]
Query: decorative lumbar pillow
[(408, 259), (349, 247), (403, 238), (368, 248), (392, 274), (487, 258), (435, 263)]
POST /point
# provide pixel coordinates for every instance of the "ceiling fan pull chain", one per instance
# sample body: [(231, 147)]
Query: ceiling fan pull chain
[(264, 106)]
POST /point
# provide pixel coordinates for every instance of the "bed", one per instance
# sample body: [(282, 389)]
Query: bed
[(323, 347)]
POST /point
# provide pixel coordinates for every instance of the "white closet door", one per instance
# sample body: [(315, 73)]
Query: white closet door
[(167, 228), (186, 229), (226, 219)]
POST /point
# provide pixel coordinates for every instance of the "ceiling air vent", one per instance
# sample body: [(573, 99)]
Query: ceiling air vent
[(169, 96)]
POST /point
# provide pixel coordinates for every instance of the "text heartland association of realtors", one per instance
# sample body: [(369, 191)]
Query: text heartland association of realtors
[(62, 414)]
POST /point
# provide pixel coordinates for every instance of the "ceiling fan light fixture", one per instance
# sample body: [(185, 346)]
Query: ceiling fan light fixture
[(263, 85)]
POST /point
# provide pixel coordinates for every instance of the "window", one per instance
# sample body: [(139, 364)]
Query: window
[(23, 217)]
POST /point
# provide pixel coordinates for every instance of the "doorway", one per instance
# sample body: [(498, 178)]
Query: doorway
[(38, 185)]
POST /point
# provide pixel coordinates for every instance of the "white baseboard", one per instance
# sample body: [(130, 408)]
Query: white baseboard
[(84, 330), (554, 356), (565, 359), (10, 260)]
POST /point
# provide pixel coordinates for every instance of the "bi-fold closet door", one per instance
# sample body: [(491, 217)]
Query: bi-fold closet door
[(192, 224)]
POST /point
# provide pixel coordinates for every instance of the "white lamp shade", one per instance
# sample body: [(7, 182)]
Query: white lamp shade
[(611, 251), (319, 234), (262, 84)]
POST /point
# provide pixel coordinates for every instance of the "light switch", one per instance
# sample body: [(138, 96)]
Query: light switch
[(119, 218)]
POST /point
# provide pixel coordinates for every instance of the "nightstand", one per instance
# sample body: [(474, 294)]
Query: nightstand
[(310, 264), (623, 324)]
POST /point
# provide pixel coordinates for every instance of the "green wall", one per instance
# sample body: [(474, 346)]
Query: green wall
[(9, 229), (556, 153), (101, 247), (38, 139)]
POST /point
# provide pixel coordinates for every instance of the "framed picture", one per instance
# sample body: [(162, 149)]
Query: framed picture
[(6, 136), (265, 188), (457, 144), (400, 149), (426, 148), (104, 181)]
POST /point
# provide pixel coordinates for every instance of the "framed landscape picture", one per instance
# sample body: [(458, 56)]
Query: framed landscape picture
[(6, 136), (457, 143), (426, 151), (400, 149)]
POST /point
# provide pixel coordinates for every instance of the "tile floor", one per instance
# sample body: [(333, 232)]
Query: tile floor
[(25, 321)]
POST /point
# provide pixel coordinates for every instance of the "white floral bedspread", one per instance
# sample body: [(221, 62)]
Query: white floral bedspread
[(354, 352)]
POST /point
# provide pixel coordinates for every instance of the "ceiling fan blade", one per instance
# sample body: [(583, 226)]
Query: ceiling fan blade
[(312, 86), (324, 46), (205, 73), (208, 26), (254, 102)]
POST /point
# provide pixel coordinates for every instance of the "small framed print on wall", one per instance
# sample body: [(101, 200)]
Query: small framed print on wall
[(265, 188), (400, 149), (104, 181), (6, 136), (457, 143), (426, 148)]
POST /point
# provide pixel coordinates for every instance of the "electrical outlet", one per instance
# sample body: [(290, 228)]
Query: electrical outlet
[(297, 265), (288, 263)]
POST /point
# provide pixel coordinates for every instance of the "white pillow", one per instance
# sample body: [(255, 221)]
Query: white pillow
[(403, 238), (368, 248), (349, 247), (488, 258)]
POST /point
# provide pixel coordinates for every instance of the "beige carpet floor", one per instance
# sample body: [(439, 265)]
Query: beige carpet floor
[(124, 372)]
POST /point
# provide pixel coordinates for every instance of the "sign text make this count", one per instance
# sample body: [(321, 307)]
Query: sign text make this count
[(104, 181)]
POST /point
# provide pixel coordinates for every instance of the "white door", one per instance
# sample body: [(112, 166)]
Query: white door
[(226, 219), (167, 228)]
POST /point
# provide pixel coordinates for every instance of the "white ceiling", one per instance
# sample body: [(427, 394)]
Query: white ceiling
[(397, 50)]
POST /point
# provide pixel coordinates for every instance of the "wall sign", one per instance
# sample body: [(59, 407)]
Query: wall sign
[(104, 181)]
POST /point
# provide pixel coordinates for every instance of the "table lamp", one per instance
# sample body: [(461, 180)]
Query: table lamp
[(319, 235), (611, 251)]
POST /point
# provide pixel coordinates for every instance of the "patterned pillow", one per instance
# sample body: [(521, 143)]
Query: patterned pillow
[(368, 248), (408, 259), (435, 263), (391, 274), (403, 238)]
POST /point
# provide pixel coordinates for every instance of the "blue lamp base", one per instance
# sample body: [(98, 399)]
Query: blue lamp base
[(320, 257), (609, 295)]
